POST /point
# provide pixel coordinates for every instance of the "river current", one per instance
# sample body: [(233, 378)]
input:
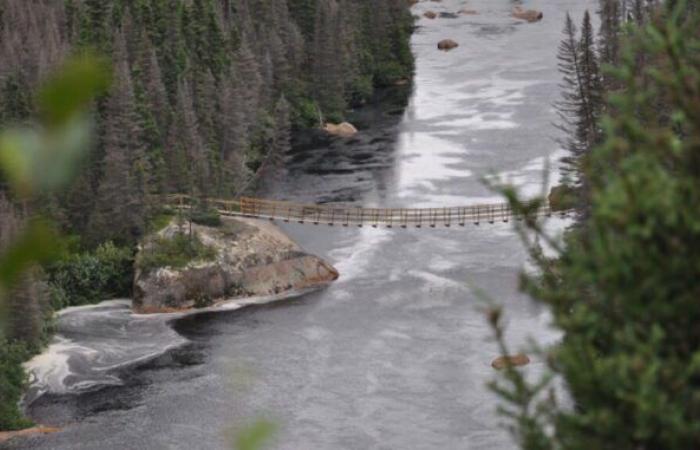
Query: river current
[(396, 354)]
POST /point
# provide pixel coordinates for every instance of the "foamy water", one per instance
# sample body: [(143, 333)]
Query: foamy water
[(94, 341)]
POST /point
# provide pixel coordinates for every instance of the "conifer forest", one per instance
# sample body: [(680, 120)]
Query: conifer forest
[(350, 224)]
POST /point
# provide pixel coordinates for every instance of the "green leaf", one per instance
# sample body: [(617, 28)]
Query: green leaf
[(255, 436), (38, 243), (73, 88)]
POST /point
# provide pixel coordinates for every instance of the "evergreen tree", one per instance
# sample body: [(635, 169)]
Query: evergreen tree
[(97, 20), (582, 101), (233, 139), (328, 59), (282, 137), (16, 105), (123, 188), (624, 289), (202, 80)]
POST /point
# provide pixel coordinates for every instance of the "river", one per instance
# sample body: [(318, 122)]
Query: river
[(396, 354)]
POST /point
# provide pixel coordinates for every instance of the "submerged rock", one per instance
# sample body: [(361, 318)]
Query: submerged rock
[(250, 258), (502, 362)]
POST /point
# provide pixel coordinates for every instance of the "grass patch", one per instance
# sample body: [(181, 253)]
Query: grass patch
[(160, 221), (175, 252)]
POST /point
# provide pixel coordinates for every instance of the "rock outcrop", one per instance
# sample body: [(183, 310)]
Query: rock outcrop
[(253, 258), (447, 44), (344, 129), (27, 432), (530, 14)]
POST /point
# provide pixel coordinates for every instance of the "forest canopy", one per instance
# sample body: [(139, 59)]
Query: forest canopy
[(203, 90)]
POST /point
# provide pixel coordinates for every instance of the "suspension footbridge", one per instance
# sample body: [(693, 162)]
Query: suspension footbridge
[(350, 215)]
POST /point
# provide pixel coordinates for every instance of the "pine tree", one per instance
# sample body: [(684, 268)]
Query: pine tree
[(27, 299), (120, 211), (328, 61), (623, 290), (610, 35), (233, 138), (282, 137), (581, 105), (16, 104), (96, 31), (591, 86)]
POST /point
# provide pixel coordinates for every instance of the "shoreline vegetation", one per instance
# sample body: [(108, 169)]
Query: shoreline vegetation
[(204, 94)]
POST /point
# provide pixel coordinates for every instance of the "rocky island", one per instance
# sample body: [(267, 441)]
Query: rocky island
[(185, 266)]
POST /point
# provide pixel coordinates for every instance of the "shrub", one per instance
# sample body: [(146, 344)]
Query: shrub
[(208, 217), (12, 382), (91, 277), (174, 252)]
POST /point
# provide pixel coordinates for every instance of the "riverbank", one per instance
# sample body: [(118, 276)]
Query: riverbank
[(101, 353), (262, 265), (73, 363)]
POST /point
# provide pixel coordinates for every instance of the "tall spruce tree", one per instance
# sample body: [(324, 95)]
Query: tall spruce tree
[(123, 187), (623, 290), (582, 99)]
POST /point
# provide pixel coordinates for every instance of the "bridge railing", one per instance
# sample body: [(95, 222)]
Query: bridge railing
[(348, 215), (403, 217)]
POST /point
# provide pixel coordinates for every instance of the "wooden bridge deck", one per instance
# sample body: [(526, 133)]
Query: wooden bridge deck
[(344, 215)]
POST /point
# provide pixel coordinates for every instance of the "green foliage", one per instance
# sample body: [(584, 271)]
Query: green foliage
[(36, 161), (72, 89), (12, 381), (208, 217), (92, 277), (174, 252), (624, 288), (304, 112), (38, 243), (389, 72), (563, 197), (255, 436), (361, 90), (160, 220)]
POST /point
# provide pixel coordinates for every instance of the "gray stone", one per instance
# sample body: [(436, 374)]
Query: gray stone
[(254, 258)]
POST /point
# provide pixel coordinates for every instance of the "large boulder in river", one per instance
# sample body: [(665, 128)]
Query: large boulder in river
[(530, 14), (447, 44), (239, 258), (344, 129), (430, 14)]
